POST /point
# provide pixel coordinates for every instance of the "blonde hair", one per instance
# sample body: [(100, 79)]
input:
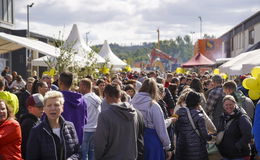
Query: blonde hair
[(183, 95), (229, 97), (10, 112), (53, 94)]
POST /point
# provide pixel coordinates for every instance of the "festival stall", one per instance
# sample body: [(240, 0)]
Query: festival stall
[(112, 59)]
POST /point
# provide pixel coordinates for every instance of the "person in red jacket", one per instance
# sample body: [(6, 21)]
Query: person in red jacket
[(10, 134)]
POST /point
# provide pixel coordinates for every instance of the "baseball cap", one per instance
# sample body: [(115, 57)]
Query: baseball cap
[(35, 100)]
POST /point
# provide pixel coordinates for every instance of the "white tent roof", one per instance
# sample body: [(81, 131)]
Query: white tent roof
[(41, 61), (78, 45), (10, 43), (107, 53), (242, 63)]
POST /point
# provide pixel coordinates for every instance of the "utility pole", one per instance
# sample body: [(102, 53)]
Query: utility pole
[(158, 31), (192, 38), (200, 27), (28, 18)]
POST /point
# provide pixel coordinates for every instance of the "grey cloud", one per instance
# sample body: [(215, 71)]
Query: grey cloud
[(187, 12), (54, 15)]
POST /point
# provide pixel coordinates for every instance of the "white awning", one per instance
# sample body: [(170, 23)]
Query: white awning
[(10, 43), (241, 64)]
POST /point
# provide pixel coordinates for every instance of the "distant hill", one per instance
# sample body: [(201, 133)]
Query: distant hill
[(180, 48)]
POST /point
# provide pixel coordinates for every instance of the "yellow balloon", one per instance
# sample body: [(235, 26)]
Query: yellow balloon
[(224, 75), (255, 71), (254, 94), (52, 72), (251, 83), (178, 70), (216, 71)]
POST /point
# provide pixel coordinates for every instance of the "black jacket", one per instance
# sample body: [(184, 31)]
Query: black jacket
[(235, 143), (22, 97), (189, 145), (168, 99), (27, 122), (43, 144)]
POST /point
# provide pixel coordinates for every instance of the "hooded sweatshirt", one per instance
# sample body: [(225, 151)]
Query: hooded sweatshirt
[(94, 108), (153, 116), (119, 133), (75, 111)]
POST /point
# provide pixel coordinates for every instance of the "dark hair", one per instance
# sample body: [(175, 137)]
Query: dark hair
[(159, 80), (96, 90), (112, 91), (173, 88), (192, 99), (100, 81), (182, 78), (230, 85), (66, 78), (175, 80), (36, 85), (196, 85), (217, 79), (129, 87), (19, 78)]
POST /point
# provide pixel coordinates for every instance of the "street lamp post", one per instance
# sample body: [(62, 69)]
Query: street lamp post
[(200, 26), (192, 38), (29, 54), (28, 19)]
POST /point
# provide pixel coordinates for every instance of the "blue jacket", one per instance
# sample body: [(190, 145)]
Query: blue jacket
[(75, 111), (256, 127), (43, 144)]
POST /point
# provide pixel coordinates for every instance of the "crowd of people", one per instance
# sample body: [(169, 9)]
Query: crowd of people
[(133, 116)]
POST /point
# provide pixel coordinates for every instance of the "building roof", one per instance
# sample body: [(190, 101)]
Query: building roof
[(198, 60), (250, 21)]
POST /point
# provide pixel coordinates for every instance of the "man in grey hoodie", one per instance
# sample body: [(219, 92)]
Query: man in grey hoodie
[(119, 133), (94, 108)]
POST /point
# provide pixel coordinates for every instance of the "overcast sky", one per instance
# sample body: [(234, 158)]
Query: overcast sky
[(133, 21)]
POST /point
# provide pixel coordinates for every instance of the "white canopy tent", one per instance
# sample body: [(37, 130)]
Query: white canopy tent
[(107, 54), (242, 63), (79, 46), (10, 43), (76, 43)]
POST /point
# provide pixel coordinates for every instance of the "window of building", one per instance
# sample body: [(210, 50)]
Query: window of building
[(251, 36), (6, 11), (232, 44)]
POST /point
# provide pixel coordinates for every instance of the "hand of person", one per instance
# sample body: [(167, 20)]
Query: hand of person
[(174, 119), (168, 155)]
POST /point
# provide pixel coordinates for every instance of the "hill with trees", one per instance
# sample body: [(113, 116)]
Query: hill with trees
[(180, 48)]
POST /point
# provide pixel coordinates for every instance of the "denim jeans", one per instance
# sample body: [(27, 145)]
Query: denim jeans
[(88, 146)]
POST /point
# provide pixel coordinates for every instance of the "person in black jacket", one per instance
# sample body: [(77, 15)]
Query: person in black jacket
[(31, 119), (237, 136), (191, 143), (54, 138)]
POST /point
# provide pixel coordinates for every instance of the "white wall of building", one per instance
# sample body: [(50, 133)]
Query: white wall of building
[(241, 40)]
